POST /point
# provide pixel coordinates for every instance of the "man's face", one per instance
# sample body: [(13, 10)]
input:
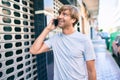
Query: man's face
[(65, 19)]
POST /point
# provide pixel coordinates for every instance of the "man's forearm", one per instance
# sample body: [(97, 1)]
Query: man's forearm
[(92, 76), (91, 70), (39, 41)]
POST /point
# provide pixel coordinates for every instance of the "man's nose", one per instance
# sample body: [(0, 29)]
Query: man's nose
[(60, 16)]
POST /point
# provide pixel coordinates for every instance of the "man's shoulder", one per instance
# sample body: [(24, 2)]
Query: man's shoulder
[(82, 37)]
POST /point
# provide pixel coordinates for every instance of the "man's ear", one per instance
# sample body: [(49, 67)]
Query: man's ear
[(73, 20)]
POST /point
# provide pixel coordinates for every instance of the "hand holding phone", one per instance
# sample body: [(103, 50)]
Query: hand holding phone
[(55, 22)]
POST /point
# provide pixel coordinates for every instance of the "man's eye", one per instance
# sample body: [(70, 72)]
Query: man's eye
[(65, 14)]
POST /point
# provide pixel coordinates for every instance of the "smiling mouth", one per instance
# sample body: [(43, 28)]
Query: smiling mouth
[(60, 21)]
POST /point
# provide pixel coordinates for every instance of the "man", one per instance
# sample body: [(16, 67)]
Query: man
[(74, 57)]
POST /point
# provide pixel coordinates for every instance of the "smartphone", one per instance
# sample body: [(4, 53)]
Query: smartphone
[(55, 22)]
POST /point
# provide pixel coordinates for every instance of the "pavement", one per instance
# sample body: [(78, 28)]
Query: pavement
[(106, 67)]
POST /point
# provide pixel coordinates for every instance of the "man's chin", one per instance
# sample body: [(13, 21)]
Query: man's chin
[(60, 26)]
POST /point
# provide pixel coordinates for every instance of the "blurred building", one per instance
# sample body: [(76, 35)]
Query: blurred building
[(21, 21)]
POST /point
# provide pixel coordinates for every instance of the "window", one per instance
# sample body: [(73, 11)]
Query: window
[(6, 3), (16, 6), (6, 20), (17, 14), (6, 11)]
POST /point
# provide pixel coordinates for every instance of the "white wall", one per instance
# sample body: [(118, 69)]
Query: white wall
[(109, 14)]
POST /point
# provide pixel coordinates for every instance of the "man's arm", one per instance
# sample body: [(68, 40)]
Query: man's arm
[(91, 70), (39, 46)]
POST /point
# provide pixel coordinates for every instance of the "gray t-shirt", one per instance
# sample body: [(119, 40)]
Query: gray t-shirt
[(70, 55)]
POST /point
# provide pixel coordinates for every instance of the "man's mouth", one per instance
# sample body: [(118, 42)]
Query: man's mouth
[(60, 21)]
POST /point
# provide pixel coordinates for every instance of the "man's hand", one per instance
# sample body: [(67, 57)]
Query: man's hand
[(51, 25)]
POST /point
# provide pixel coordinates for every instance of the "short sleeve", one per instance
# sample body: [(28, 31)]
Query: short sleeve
[(51, 40), (89, 53), (48, 42)]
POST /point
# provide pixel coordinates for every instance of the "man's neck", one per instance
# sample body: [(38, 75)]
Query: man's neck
[(68, 30)]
